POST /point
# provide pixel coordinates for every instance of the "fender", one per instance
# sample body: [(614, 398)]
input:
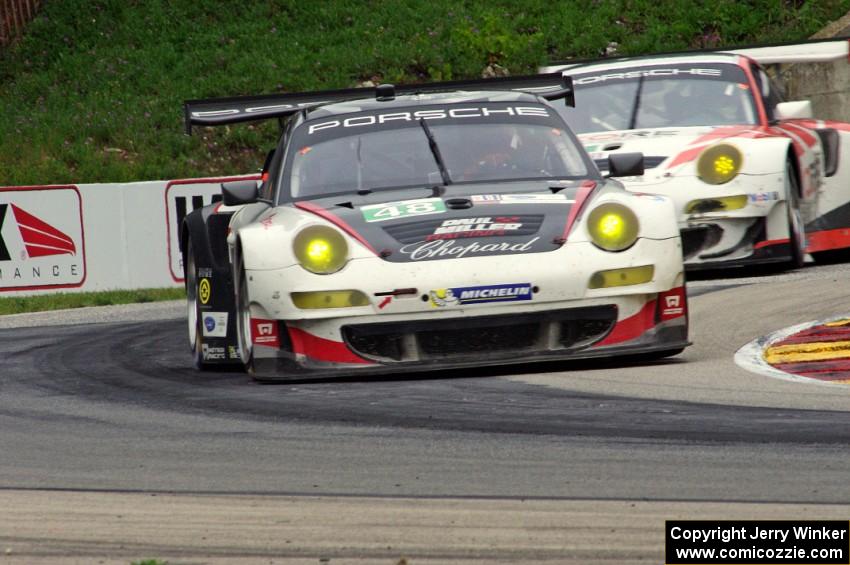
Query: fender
[(207, 229)]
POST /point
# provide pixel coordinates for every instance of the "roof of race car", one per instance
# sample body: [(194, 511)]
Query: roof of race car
[(645, 61)]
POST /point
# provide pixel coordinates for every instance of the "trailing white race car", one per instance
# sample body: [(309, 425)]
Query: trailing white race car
[(424, 227), (754, 179)]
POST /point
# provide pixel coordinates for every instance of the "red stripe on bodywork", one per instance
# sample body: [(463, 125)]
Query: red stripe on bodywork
[(584, 190), (336, 220), (816, 124), (745, 63), (322, 349), (769, 242), (633, 326), (800, 132), (717, 134), (828, 239)]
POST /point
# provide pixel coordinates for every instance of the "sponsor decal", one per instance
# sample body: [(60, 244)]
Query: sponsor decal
[(212, 353), (264, 332), (403, 209), (41, 239), (521, 199), (443, 297), (215, 324), (449, 248), (763, 196), (204, 291), (698, 72), (439, 114), (205, 272), (672, 303), (475, 227), (233, 352)]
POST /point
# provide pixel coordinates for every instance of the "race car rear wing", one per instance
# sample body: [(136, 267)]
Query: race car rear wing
[(813, 51), (233, 110)]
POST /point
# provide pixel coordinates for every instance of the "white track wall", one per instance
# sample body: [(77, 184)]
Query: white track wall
[(88, 237)]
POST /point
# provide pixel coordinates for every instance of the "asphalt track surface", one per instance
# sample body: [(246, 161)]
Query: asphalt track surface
[(114, 408)]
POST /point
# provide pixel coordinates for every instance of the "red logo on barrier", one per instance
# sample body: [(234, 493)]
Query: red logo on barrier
[(40, 238), (264, 332)]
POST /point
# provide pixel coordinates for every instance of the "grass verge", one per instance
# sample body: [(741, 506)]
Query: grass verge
[(93, 92), (61, 301)]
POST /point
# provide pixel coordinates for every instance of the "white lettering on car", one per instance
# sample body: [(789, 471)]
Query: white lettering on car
[(647, 73), (450, 248), (457, 113)]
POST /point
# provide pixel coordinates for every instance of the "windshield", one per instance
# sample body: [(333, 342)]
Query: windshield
[(373, 151), (654, 97)]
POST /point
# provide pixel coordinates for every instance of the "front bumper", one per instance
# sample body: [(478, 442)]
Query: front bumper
[(756, 233), (726, 243), (564, 319), (303, 355)]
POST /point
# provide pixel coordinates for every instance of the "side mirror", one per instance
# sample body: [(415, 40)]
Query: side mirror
[(800, 109), (625, 164), (239, 192)]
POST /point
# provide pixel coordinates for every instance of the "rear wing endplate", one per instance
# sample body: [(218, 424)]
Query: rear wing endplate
[(238, 109)]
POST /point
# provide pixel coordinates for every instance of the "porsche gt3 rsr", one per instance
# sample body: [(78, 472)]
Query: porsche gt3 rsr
[(754, 179), (425, 227)]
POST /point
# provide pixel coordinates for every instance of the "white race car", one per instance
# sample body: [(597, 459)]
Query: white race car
[(754, 179), (425, 227)]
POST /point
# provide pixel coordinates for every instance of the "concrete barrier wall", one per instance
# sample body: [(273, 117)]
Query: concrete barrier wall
[(88, 237), (827, 85)]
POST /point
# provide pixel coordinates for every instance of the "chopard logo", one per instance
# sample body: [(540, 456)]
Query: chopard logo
[(444, 249)]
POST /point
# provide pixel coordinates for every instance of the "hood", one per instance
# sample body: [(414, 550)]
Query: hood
[(467, 220), (664, 149)]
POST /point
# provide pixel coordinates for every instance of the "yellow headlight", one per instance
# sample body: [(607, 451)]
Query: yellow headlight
[(719, 163), (613, 227), (621, 277), (329, 299), (320, 249), (720, 204)]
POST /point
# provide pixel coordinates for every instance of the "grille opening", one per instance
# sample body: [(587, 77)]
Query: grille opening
[(481, 335), (696, 239)]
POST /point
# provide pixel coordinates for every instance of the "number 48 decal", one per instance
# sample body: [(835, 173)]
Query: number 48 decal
[(394, 210)]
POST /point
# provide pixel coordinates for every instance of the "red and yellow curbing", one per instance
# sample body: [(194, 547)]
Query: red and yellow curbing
[(819, 352)]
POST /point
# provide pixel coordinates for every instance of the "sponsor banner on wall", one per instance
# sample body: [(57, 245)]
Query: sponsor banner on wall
[(42, 244)]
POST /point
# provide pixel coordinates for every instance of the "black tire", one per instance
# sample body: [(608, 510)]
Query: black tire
[(796, 230), (193, 309), (243, 319)]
